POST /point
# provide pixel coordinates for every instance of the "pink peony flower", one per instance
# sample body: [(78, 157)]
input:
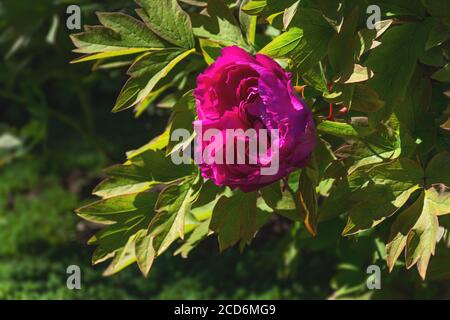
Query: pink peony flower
[(240, 91)]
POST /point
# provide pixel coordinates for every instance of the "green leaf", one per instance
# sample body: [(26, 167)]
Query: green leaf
[(366, 38), (120, 186), (168, 20), (123, 258), (141, 173), (337, 202), (183, 115), (219, 25), (341, 48), (421, 241), (234, 219), (404, 45), (400, 174), (443, 74), (412, 110), (119, 208), (316, 78), (119, 35), (158, 143), (173, 204), (383, 145), (370, 206), (393, 184), (439, 33), (365, 99), (112, 54), (211, 50), (248, 23), (283, 202), (307, 199), (255, 7), (266, 7), (438, 202), (284, 44), (358, 74), (125, 216), (199, 233), (317, 34), (433, 57), (145, 254), (145, 73), (400, 229), (438, 170), (343, 130)]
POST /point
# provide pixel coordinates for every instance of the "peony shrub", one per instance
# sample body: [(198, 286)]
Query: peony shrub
[(360, 103)]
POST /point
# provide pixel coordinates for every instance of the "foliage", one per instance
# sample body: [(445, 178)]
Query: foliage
[(383, 158)]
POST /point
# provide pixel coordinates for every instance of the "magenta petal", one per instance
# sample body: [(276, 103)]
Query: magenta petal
[(240, 91)]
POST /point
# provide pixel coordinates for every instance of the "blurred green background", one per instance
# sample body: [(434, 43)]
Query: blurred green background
[(56, 135)]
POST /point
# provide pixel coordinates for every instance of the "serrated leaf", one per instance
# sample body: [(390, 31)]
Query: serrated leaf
[(168, 20), (404, 44), (183, 115), (211, 50), (438, 201), (393, 184), (402, 174), (372, 205), (317, 34), (118, 208), (145, 73), (158, 143), (173, 205), (316, 78), (106, 55), (113, 187), (365, 39), (400, 229), (219, 25), (120, 35), (145, 254), (283, 202), (142, 172), (128, 214), (343, 130), (341, 48), (284, 44), (199, 233), (248, 23), (123, 258), (234, 219), (421, 241)]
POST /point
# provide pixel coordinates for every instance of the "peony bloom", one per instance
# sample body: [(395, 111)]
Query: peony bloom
[(240, 91)]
